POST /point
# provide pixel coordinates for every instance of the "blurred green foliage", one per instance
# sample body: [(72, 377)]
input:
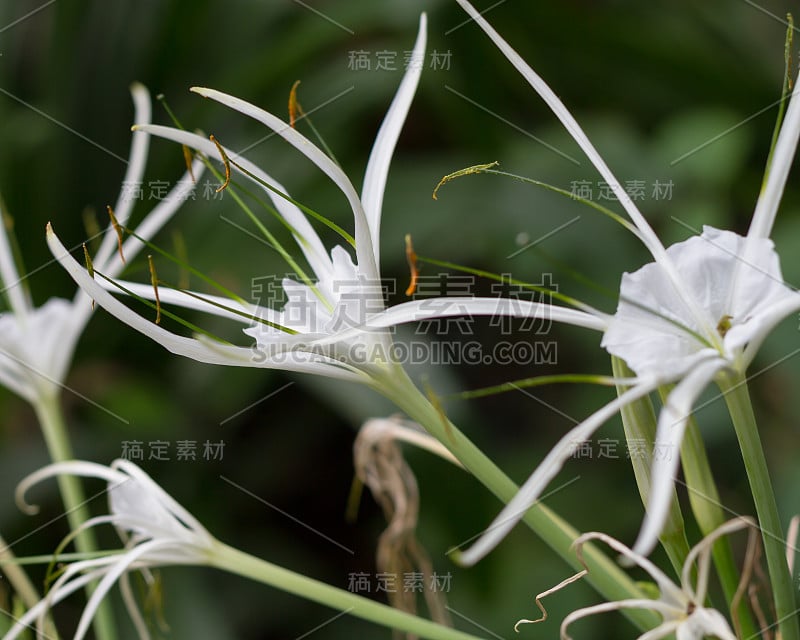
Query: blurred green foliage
[(649, 82)]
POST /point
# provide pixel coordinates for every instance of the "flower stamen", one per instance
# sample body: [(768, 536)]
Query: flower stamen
[(412, 265), (117, 230), (477, 168), (187, 158), (225, 161), (154, 282), (294, 105)]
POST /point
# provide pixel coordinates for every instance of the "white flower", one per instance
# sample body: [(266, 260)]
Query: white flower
[(699, 311), (317, 306), (333, 324), (155, 529), (682, 607), (37, 344)]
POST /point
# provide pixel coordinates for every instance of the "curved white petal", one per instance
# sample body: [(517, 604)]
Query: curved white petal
[(200, 350), (12, 285), (670, 593), (782, 158), (113, 574), (386, 140), (669, 435), (552, 100), (10, 376), (364, 250), (134, 173), (660, 631), (765, 322), (304, 233), (128, 499), (515, 510), (447, 307), (701, 552), (40, 608), (205, 302), (37, 350), (647, 235), (69, 467)]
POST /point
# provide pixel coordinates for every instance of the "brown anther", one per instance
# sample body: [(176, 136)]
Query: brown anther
[(226, 161), (154, 282), (89, 265), (412, 265), (117, 230), (88, 258), (187, 158), (294, 105)]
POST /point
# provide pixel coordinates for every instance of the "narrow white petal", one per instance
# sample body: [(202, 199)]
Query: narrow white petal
[(12, 285), (671, 594), (515, 510), (205, 302), (552, 100), (701, 552), (648, 236), (69, 467), (134, 174), (304, 233), (113, 573), (782, 158), (660, 631), (364, 250), (765, 322), (195, 349), (448, 307), (386, 140), (25, 622), (669, 435)]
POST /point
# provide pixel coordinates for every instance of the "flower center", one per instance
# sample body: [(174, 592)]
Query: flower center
[(724, 325)]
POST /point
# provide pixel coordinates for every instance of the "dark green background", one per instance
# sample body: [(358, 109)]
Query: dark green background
[(648, 81)]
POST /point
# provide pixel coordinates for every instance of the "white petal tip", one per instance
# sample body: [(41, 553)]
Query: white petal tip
[(138, 87)]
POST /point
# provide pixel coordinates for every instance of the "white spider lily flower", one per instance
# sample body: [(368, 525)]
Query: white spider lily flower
[(155, 529), (682, 607), (699, 312), (317, 307), (37, 344), (334, 324)]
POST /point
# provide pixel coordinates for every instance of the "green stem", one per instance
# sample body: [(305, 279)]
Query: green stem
[(16, 576), (639, 424), (235, 561), (609, 580), (737, 397), (48, 410), (707, 510), (22, 585)]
